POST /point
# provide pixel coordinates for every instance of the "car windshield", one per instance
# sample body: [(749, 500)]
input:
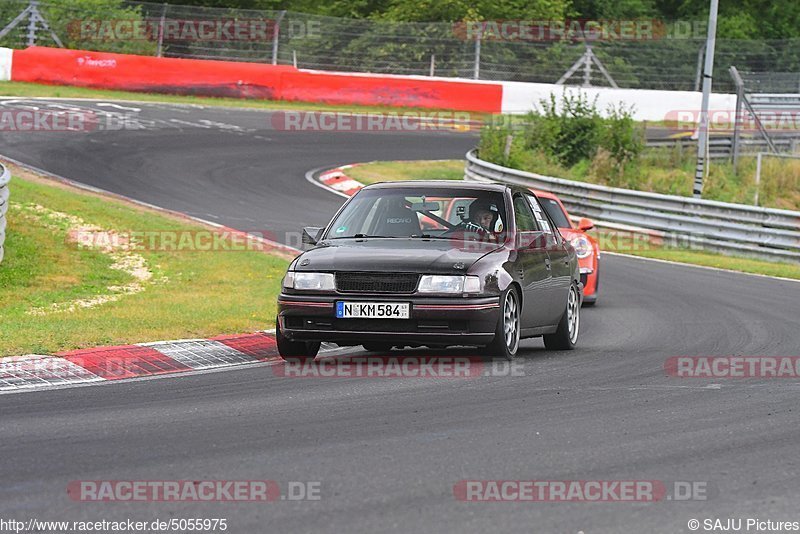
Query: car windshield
[(431, 213), (553, 209)]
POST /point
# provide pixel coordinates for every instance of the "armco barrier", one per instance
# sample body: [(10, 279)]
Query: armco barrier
[(5, 177), (763, 233), (128, 72), (721, 147)]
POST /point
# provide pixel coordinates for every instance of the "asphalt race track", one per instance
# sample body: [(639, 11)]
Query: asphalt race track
[(227, 166), (387, 452)]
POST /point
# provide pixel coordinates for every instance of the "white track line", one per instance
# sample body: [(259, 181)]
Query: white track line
[(669, 262), (310, 177)]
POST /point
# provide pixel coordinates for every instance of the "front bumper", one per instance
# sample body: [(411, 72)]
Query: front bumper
[(434, 321), (588, 271)]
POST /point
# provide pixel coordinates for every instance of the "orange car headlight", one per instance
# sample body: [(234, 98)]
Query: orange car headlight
[(582, 246)]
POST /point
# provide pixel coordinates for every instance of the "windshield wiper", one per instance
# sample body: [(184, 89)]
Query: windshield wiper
[(365, 236), (426, 236)]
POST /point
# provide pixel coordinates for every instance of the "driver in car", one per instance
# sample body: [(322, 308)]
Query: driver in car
[(482, 219)]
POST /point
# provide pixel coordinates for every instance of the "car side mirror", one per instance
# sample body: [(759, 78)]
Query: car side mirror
[(530, 240), (312, 234), (585, 224)]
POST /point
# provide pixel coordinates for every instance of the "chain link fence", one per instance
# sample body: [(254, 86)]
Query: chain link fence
[(441, 49)]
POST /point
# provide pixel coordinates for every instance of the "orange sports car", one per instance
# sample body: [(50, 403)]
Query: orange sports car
[(585, 245)]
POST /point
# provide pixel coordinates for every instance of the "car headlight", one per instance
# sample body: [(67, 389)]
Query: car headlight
[(437, 283), (302, 281), (582, 246)]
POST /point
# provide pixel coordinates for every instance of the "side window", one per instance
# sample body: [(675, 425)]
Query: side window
[(523, 215), (539, 214)]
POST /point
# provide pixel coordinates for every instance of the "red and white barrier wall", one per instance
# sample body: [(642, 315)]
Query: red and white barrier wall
[(246, 80), (647, 104), (105, 70)]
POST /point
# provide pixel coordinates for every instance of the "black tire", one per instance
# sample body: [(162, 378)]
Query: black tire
[(377, 347), (501, 347), (566, 337), (295, 351)]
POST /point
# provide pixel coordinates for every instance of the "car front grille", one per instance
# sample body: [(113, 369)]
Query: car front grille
[(376, 282), (332, 324)]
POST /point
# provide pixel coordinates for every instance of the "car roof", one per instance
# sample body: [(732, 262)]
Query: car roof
[(441, 184)]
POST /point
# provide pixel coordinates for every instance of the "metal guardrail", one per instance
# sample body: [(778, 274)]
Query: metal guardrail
[(762, 233), (721, 147), (5, 177), (774, 101)]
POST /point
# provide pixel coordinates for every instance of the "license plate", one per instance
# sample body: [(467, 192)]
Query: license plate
[(372, 310)]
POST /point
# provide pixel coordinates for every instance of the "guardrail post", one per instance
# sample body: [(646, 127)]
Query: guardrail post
[(703, 133), (737, 80), (476, 70), (275, 36), (758, 177), (162, 20), (507, 148), (699, 75), (5, 177)]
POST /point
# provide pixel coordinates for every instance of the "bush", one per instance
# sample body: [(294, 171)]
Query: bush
[(493, 142), (621, 138), (567, 131)]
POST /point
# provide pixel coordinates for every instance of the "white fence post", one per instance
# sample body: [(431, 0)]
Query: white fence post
[(5, 177)]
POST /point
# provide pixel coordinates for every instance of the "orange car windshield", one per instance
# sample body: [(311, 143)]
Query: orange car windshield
[(553, 209)]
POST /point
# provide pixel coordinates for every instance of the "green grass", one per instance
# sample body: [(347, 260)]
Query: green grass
[(731, 263), (24, 89), (454, 170), (392, 171), (671, 172), (191, 294)]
